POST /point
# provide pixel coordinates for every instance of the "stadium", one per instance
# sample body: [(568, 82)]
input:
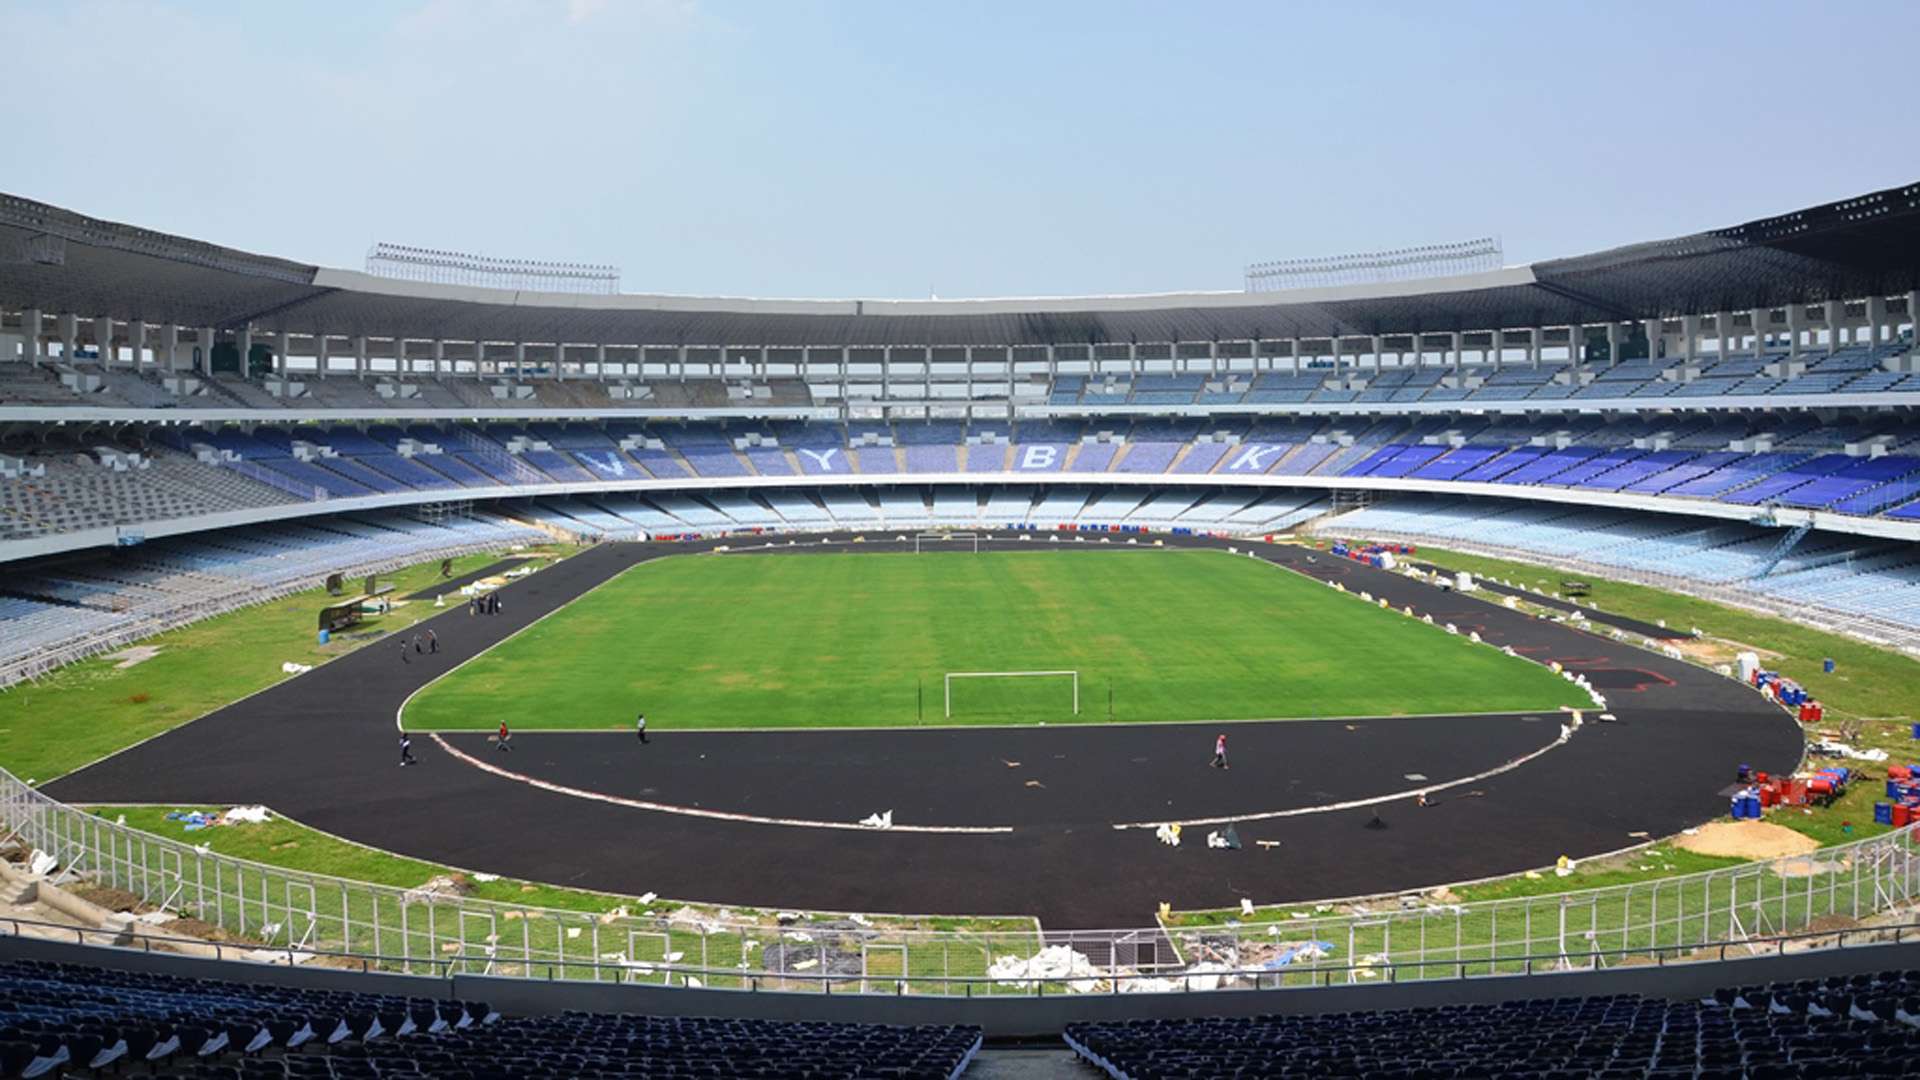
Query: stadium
[(1412, 664)]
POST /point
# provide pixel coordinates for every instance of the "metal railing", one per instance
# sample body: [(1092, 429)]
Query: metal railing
[(273, 913)]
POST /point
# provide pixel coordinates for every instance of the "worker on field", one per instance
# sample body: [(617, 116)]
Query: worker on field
[(406, 750), (505, 736), (1220, 752), (640, 727)]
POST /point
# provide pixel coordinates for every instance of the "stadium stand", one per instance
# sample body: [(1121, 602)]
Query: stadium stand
[(58, 610), (1860, 1025), (56, 1019)]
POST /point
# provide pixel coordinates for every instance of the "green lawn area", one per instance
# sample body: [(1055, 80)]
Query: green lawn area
[(851, 639), (1868, 681), (85, 711)]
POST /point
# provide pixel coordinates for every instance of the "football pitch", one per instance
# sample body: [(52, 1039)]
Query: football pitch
[(865, 640)]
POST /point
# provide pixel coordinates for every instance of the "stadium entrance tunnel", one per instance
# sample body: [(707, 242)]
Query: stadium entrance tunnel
[(319, 748)]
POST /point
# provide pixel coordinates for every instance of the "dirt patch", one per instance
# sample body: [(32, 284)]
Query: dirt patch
[(1747, 840), (111, 899), (135, 655), (206, 931)]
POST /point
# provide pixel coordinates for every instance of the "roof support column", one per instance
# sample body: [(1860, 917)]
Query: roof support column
[(360, 364), (600, 362), (170, 346), (30, 330), (1379, 355), (281, 344), (1576, 341), (1334, 341), (1876, 316), (1836, 314), (1913, 315), (1654, 332), (1690, 330), (320, 360), (204, 347), (1793, 331), (1613, 343), (1133, 360), (1497, 348), (67, 326), (1536, 338), (103, 338), (137, 338), (1410, 356), (1455, 345), (439, 355), (1728, 341), (519, 362), (1295, 342), (559, 360), (243, 341)]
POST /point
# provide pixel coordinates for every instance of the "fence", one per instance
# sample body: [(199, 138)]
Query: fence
[(220, 595), (275, 914), (1864, 627)]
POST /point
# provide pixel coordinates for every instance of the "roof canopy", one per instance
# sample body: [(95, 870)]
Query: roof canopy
[(58, 261)]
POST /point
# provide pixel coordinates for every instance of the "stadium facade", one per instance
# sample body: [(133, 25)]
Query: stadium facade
[(1725, 412)]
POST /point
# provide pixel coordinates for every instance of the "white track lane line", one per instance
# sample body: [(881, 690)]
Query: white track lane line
[(719, 815)]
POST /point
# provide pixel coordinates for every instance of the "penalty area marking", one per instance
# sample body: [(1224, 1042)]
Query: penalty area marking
[(690, 811)]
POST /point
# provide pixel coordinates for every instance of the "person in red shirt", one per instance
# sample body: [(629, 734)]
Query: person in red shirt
[(1220, 752), (504, 736)]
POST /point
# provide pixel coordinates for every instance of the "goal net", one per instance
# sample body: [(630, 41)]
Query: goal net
[(1027, 693), (922, 540)]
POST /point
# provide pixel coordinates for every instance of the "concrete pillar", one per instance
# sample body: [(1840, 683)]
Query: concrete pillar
[(1295, 344), (1793, 331), (1379, 354), (1613, 343), (439, 355), (68, 328), (1690, 334), (559, 360), (243, 341), (320, 353), (1723, 330), (282, 343), (1913, 316), (102, 330), (30, 326), (1459, 354), (1654, 334), (137, 338), (169, 358), (1836, 314), (1876, 318), (208, 336), (1497, 346), (600, 362)]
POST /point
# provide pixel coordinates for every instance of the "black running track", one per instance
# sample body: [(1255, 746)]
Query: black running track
[(321, 748)]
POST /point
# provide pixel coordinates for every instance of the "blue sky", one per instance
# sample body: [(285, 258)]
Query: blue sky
[(800, 148)]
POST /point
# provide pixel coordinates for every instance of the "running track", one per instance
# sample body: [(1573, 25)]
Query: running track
[(320, 748)]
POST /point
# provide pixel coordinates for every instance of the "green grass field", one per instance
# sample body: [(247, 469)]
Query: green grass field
[(851, 640)]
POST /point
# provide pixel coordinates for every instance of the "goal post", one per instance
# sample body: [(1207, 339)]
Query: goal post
[(952, 675), (921, 539)]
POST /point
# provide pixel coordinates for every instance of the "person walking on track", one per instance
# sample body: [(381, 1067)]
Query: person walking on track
[(640, 727), (406, 750), (433, 643), (1219, 752), (505, 735)]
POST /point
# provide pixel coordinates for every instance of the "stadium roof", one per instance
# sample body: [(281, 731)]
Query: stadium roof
[(56, 260)]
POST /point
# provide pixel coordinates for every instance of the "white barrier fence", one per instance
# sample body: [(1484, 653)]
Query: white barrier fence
[(272, 914)]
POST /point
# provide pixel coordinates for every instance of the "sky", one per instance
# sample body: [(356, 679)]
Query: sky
[(908, 148)]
